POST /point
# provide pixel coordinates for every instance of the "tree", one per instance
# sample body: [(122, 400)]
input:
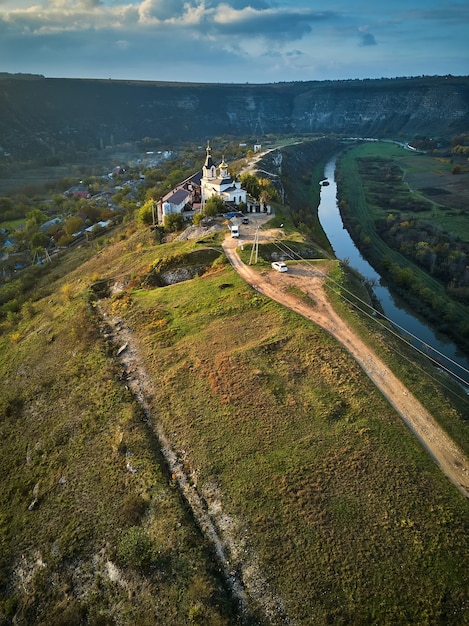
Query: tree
[(58, 201), (35, 218), (146, 213), (73, 224), (40, 240), (8, 210), (251, 184), (214, 205), (92, 212), (173, 222)]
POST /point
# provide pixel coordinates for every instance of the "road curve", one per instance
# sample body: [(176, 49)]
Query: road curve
[(442, 448)]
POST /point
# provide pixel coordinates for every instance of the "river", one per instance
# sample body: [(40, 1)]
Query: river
[(436, 346)]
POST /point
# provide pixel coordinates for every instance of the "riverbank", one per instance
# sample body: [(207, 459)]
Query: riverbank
[(404, 236)]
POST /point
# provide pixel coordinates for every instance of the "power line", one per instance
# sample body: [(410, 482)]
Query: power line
[(293, 254)]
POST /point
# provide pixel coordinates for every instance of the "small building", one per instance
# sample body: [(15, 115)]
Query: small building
[(79, 191), (175, 201), (46, 226)]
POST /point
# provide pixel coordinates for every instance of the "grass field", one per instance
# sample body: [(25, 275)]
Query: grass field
[(70, 504), (347, 513), (430, 176), (350, 519)]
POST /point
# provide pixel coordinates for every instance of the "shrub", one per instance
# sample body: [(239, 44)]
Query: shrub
[(135, 549), (173, 222), (197, 218)]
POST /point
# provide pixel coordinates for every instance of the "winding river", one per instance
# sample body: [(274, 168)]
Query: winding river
[(423, 337)]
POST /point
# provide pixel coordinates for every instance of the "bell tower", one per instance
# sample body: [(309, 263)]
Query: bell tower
[(209, 170)]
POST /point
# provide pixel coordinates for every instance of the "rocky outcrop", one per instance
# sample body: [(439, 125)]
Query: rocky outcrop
[(49, 116)]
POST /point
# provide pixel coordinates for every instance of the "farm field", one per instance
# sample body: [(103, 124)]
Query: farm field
[(430, 176)]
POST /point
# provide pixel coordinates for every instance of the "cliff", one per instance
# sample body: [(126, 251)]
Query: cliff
[(45, 116)]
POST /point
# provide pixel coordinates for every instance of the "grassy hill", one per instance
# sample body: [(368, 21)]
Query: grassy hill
[(313, 479)]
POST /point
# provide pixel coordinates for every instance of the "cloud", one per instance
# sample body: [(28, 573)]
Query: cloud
[(367, 39), (282, 22), (453, 12), (71, 5), (213, 40), (157, 11), (239, 17)]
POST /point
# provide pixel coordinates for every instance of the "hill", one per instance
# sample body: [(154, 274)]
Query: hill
[(331, 502), (43, 117)]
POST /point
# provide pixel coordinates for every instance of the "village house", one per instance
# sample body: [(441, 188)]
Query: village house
[(184, 197)]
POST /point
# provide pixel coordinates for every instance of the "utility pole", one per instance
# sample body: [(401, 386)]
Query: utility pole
[(255, 247)]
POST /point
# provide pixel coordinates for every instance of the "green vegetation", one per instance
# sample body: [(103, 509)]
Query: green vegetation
[(409, 238), (326, 475), (302, 169), (345, 515), (86, 499), (348, 293)]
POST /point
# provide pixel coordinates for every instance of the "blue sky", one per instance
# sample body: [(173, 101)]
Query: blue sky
[(234, 41)]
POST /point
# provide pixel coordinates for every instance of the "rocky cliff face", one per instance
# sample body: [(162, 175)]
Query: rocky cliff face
[(46, 116)]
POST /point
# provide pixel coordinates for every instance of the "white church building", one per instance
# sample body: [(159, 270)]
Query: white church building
[(192, 194), (216, 181)]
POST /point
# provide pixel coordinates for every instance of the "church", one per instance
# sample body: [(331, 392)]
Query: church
[(192, 194), (217, 182)]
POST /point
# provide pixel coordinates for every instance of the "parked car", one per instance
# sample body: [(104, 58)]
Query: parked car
[(245, 220), (235, 231), (279, 266)]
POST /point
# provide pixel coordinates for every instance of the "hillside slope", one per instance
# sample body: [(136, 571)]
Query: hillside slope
[(343, 514), (45, 116)]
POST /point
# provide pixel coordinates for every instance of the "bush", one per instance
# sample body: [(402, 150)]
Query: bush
[(146, 213), (173, 222), (213, 206), (198, 217), (135, 549)]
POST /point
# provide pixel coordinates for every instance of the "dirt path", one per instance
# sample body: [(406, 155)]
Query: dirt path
[(238, 561), (442, 448)]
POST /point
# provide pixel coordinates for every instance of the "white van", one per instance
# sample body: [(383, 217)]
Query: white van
[(235, 231)]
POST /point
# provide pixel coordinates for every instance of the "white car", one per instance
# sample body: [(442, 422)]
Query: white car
[(279, 266)]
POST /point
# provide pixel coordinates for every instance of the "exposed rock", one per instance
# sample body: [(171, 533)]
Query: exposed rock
[(42, 115), (200, 231)]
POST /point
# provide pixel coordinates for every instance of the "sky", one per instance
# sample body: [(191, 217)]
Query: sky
[(234, 41)]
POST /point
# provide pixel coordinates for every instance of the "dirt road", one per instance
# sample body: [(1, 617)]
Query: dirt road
[(442, 448)]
